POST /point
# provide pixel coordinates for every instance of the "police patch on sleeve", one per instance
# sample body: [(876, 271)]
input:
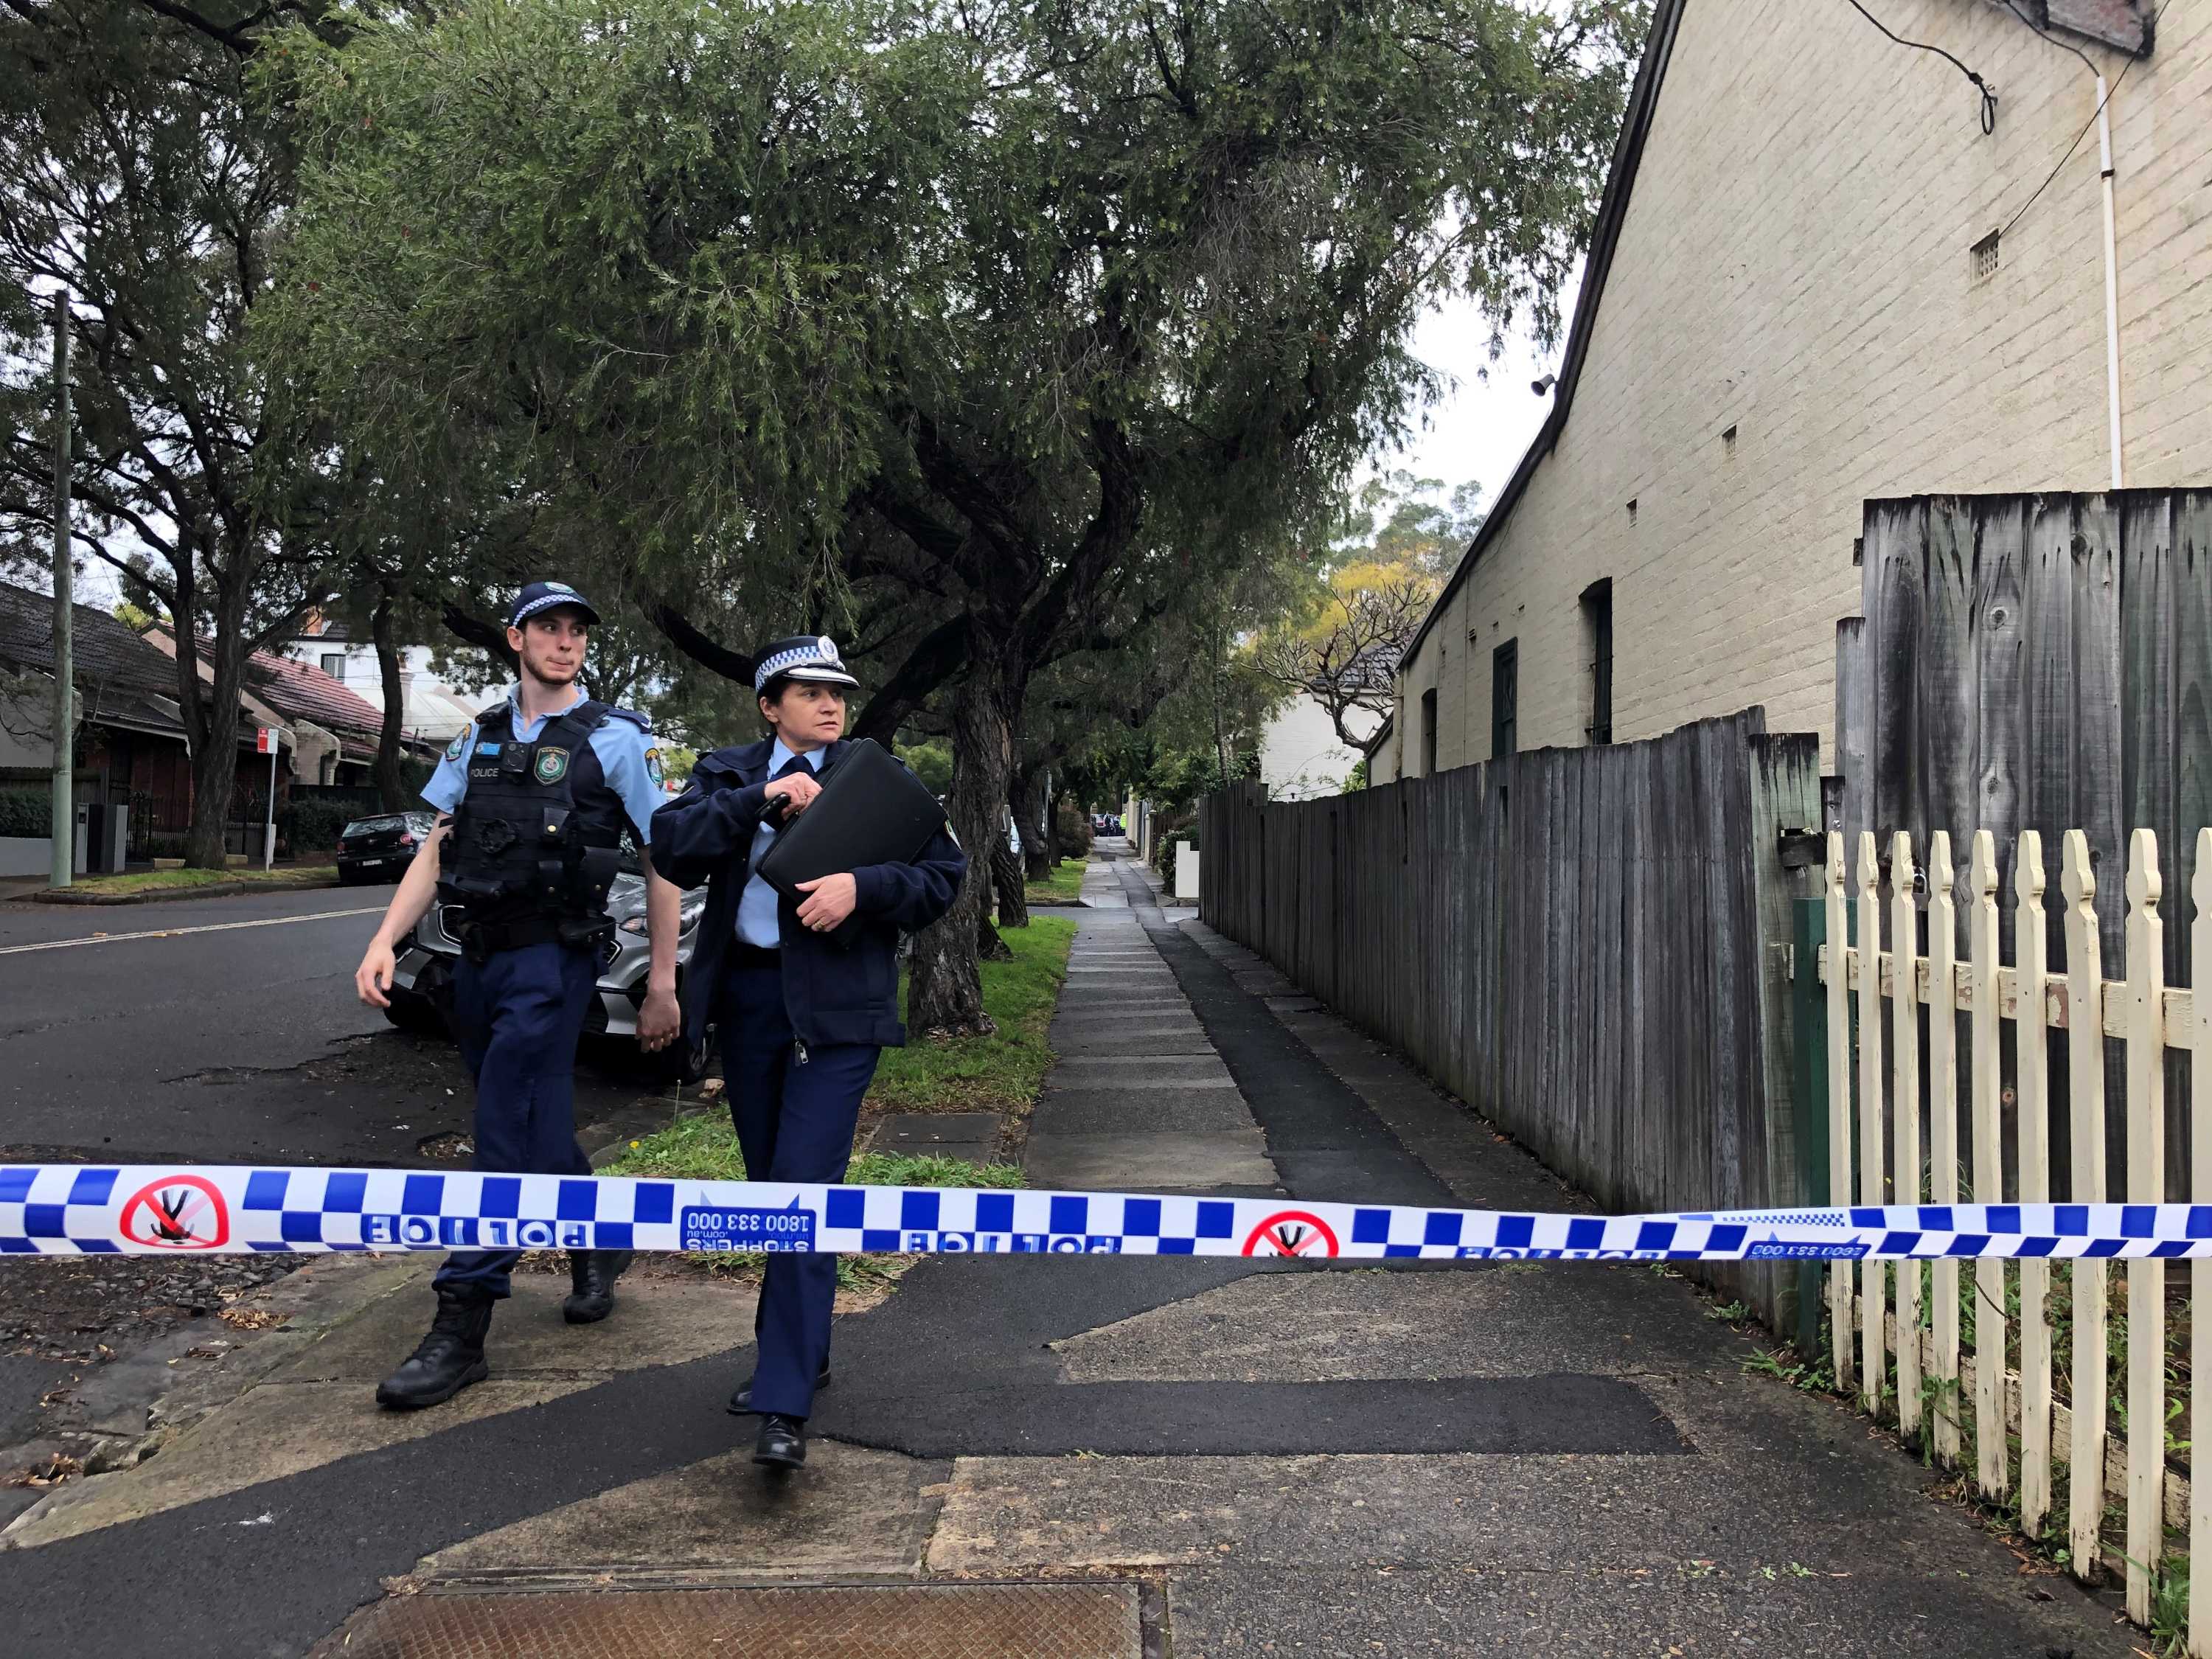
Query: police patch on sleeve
[(653, 769), (460, 741)]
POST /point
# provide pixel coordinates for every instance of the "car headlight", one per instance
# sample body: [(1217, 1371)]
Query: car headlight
[(687, 914)]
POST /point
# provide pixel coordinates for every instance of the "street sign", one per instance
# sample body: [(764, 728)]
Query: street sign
[(264, 739)]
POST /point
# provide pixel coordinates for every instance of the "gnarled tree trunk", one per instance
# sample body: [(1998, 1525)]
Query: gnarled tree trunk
[(390, 788), (212, 716), (1013, 892), (945, 992), (1039, 853)]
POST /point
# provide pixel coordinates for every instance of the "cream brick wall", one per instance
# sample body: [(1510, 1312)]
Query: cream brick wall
[(1794, 262)]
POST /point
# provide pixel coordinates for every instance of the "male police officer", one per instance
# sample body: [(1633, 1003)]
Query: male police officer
[(802, 1019), (532, 797)]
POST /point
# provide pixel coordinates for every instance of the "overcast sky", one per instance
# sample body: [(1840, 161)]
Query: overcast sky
[(1481, 428)]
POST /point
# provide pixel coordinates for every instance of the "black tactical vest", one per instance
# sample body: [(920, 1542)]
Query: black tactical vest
[(536, 839)]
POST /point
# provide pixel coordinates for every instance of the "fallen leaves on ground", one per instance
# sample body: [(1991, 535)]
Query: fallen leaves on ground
[(250, 1319), (57, 1469)]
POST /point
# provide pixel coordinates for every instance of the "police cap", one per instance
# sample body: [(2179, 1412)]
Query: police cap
[(803, 657), (545, 596)]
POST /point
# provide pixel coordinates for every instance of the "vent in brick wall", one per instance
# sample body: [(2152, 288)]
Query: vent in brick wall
[(1985, 257), (1727, 441)]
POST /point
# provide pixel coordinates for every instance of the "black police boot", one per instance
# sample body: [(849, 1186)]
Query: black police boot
[(782, 1443), (592, 1275), (448, 1359), (741, 1402)]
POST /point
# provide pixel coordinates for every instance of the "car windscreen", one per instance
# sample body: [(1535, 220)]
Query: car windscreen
[(383, 826)]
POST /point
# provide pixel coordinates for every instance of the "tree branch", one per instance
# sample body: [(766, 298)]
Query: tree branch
[(941, 654), (709, 654), (474, 630)]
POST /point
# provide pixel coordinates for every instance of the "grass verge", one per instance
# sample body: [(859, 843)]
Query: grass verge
[(705, 1148), (1063, 886), (165, 881), (1001, 1073)]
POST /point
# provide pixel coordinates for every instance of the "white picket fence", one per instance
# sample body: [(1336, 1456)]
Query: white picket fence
[(2012, 1393)]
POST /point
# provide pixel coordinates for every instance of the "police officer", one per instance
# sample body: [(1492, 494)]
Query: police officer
[(802, 1019), (532, 797)]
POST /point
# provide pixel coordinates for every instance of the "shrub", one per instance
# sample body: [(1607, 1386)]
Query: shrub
[(1164, 841), (1070, 832), (312, 826), (25, 812)]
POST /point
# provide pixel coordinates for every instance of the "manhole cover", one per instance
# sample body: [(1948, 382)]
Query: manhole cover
[(888, 1621)]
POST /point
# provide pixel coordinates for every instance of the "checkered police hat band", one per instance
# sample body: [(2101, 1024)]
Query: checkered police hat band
[(793, 657)]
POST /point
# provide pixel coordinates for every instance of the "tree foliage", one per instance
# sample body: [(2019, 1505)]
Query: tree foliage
[(136, 172), (996, 328), (1341, 640)]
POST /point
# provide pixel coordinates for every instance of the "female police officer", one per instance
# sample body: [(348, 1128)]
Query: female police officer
[(536, 792), (802, 1020)]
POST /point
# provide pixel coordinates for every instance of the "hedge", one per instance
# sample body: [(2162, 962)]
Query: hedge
[(312, 826), (25, 813)]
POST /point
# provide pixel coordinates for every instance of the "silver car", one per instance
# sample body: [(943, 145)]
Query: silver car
[(425, 964)]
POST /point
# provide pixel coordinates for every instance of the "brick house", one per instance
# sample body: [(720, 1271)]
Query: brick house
[(132, 755), (1814, 280)]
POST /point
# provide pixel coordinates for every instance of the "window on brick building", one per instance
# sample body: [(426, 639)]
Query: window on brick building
[(1429, 732), (1505, 698), (1597, 628)]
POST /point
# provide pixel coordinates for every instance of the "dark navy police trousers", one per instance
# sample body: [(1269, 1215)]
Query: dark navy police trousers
[(794, 1122), (517, 1016)]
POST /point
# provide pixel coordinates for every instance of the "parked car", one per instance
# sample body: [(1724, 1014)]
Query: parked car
[(424, 968), (380, 849)]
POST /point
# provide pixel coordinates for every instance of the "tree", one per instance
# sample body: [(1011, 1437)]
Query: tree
[(1339, 642), (136, 172), (1021, 320)]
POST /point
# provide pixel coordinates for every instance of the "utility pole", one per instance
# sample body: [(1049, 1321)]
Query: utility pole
[(64, 724)]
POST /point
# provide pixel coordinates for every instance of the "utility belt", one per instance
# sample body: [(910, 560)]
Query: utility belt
[(482, 940)]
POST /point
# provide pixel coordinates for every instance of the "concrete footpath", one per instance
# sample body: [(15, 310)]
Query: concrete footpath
[(1077, 1456)]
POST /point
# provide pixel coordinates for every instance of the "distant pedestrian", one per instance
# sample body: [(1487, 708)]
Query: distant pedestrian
[(533, 799), (802, 1020)]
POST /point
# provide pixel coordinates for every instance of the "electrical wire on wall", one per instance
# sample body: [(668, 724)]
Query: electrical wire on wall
[(2116, 81), (1989, 110)]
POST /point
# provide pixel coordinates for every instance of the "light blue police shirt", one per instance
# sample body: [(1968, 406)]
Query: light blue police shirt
[(756, 919), (628, 757)]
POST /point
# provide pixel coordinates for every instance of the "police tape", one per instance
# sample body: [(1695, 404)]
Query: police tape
[(78, 1210)]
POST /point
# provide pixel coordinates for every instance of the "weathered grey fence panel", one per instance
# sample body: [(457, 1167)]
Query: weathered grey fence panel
[(1585, 944), (2038, 662)]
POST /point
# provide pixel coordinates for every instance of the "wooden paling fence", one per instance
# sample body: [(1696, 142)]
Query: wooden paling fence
[(1573, 941), (1973, 1368)]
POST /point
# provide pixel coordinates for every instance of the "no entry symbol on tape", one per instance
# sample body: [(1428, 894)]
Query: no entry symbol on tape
[(1291, 1232), (177, 1212)]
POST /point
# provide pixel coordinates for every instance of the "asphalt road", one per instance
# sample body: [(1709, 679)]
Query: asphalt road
[(220, 1030), (208, 1031)]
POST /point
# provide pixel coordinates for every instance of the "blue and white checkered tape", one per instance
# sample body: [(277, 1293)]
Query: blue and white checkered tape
[(78, 1210)]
